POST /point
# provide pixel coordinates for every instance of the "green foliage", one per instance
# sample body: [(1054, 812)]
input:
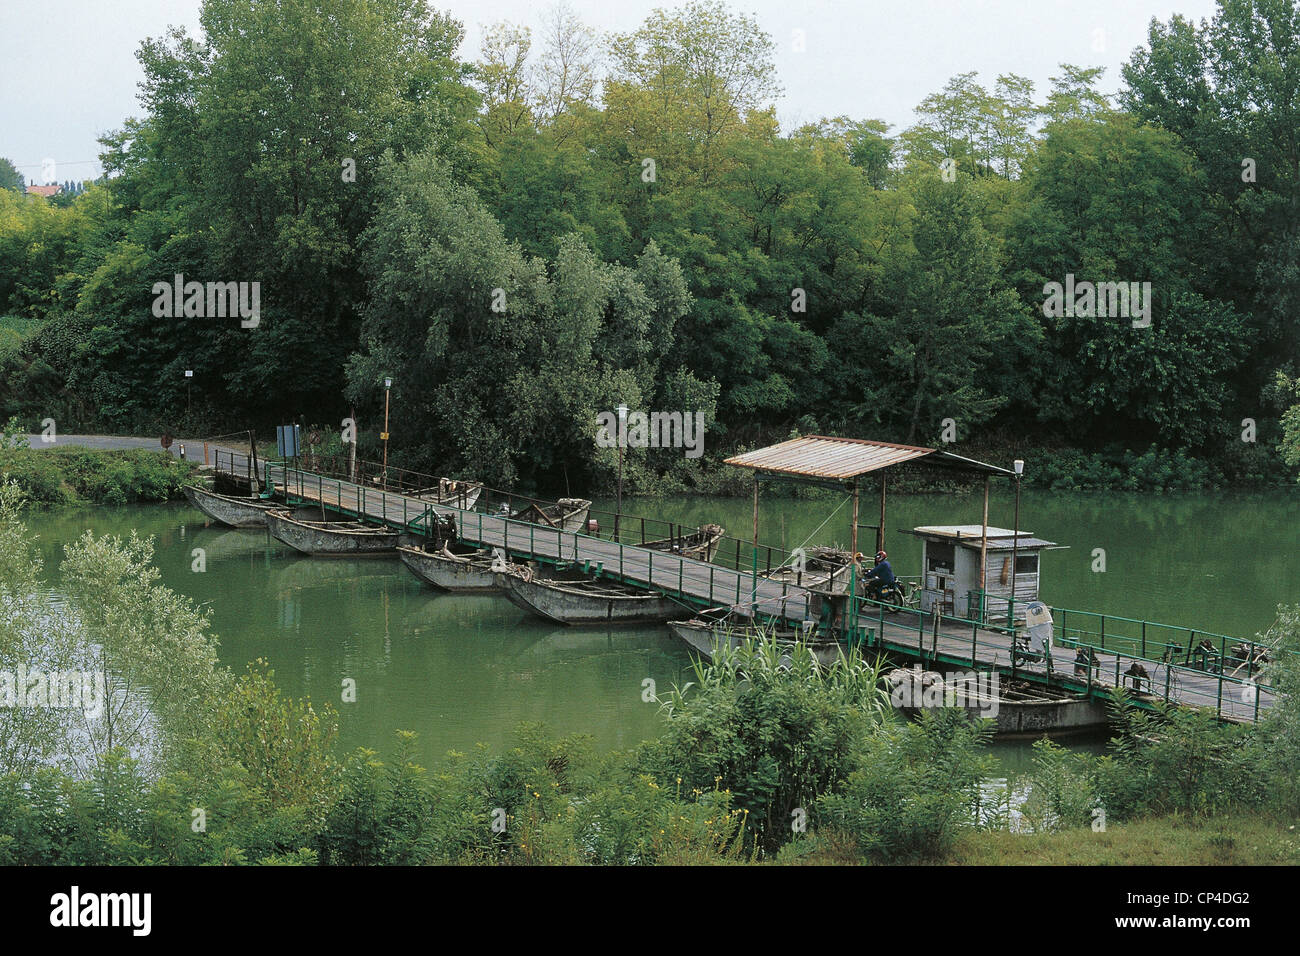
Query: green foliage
[(14, 435), (67, 474), (516, 391), (1182, 761), (1279, 750), (116, 817), (770, 726), (1065, 789), (1155, 469), (284, 744), (10, 177), (917, 787)]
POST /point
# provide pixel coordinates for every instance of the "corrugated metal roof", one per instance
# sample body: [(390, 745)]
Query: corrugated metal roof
[(999, 539), (965, 531), (821, 457)]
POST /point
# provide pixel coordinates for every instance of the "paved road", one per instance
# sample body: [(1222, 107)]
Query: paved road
[(193, 446)]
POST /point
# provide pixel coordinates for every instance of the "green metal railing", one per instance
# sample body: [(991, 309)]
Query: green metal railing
[(729, 552), (1165, 668)]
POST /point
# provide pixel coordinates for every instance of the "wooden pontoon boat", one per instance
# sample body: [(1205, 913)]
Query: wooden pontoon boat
[(824, 569), (453, 568), (704, 634), (567, 514), (331, 538), (1016, 708), (588, 600), (233, 510), (701, 544)]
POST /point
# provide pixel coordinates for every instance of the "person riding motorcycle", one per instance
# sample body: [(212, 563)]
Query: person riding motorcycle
[(879, 578)]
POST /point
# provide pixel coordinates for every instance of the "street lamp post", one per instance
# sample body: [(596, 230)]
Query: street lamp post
[(388, 385), (1015, 540), (189, 390), (622, 439)]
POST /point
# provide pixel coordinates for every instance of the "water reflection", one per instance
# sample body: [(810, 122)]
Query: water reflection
[(459, 669)]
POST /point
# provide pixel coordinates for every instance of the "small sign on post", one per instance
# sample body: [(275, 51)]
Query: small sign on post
[(286, 441)]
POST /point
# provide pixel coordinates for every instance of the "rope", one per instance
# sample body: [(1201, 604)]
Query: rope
[(213, 438), (817, 530)]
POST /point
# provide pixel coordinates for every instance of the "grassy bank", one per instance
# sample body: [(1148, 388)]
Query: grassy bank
[(1235, 839), (69, 475)]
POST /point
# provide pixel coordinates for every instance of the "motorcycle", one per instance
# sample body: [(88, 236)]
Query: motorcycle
[(891, 596)]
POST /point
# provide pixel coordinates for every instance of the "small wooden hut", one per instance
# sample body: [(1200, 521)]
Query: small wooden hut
[(950, 568)]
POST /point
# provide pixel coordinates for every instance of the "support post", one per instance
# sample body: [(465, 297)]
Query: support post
[(252, 449), (984, 558), (352, 453), (754, 593), (852, 622), (880, 531), (1015, 553), (853, 538)]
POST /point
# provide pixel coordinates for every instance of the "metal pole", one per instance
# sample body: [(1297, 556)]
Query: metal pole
[(852, 620), (853, 538), (754, 594), (387, 389), (352, 454), (1015, 548), (984, 555), (880, 532)]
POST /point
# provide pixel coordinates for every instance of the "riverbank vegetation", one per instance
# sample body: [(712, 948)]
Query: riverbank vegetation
[(528, 235), (763, 757), (72, 475)]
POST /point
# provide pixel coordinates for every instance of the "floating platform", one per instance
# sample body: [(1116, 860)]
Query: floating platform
[(588, 601), (463, 570), (705, 636), (231, 510), (331, 538)]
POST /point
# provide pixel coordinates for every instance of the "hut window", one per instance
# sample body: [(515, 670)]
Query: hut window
[(1026, 564), (940, 556)]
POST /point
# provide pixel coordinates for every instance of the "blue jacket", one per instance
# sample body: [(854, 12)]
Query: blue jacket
[(882, 571)]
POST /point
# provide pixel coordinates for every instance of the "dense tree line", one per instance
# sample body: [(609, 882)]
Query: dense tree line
[(572, 221)]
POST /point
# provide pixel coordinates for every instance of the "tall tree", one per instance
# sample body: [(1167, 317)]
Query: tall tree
[(687, 80), (10, 177)]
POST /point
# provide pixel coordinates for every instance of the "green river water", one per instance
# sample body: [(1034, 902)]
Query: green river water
[(460, 670)]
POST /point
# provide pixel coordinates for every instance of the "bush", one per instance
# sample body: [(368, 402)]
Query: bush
[(918, 787), (1179, 761), (68, 475), (1065, 790), (1155, 469), (771, 727)]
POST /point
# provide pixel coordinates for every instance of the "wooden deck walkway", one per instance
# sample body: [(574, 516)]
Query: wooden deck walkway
[(698, 585), (991, 648)]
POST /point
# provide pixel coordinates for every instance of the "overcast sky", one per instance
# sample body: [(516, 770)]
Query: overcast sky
[(68, 71)]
